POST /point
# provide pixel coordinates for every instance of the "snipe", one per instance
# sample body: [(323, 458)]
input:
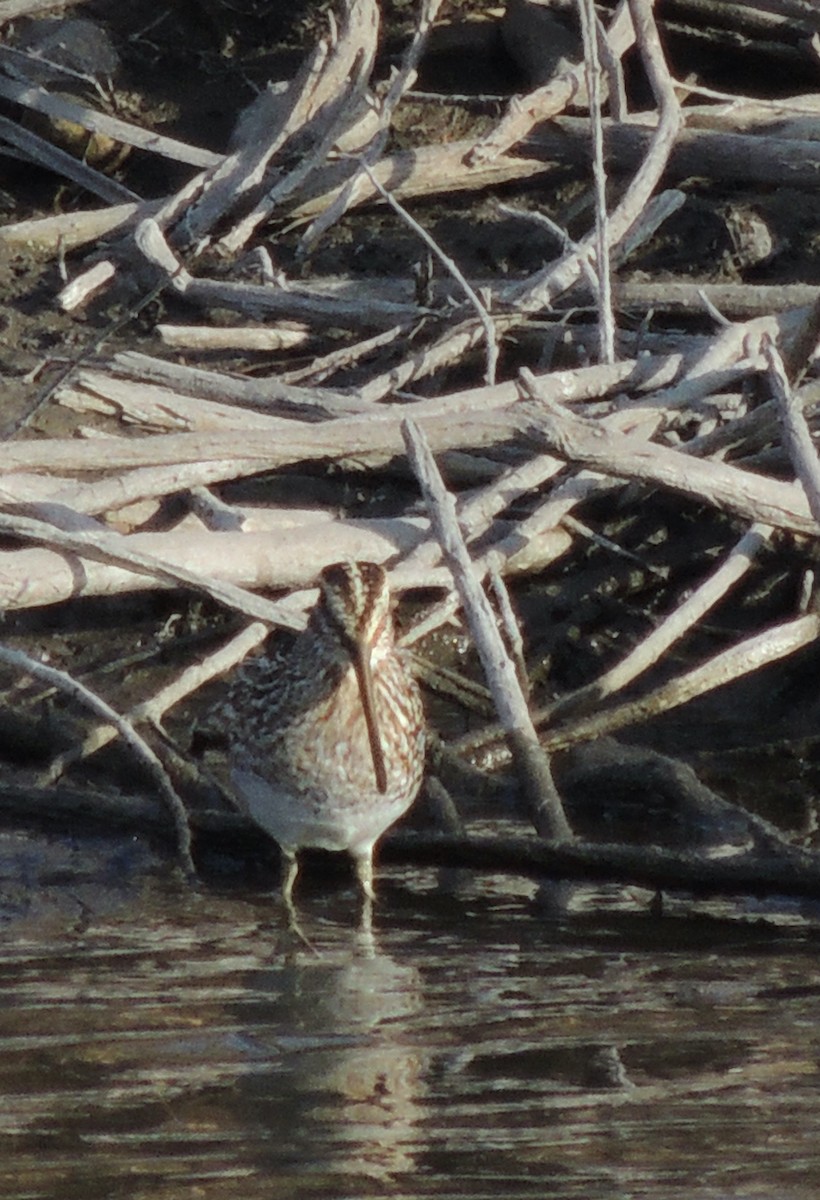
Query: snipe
[(327, 746)]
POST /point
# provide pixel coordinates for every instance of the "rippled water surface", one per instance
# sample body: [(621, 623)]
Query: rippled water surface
[(170, 1042)]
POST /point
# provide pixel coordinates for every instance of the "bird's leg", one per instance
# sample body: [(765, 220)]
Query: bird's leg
[(364, 872), (290, 869), (367, 942)]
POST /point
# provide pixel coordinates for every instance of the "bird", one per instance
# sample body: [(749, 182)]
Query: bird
[(327, 745)]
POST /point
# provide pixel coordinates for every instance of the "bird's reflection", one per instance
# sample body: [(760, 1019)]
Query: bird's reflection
[(343, 1092)]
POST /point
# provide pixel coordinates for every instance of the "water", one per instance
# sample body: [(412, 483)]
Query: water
[(167, 1042)]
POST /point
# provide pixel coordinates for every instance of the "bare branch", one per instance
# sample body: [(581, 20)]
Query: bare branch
[(545, 803), (78, 691)]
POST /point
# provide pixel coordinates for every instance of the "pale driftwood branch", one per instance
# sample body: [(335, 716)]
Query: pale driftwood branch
[(141, 750), (732, 354), (537, 540), (611, 55), (208, 338), (753, 497), (720, 363), (583, 383), (221, 564), (320, 104), (372, 440), (23, 487), (10, 9), (747, 434), (791, 116), (448, 349), (442, 613), (658, 209), (159, 408), (474, 419), (402, 81), (117, 492), (649, 652), (36, 149), (726, 157), (350, 306), (796, 435), (769, 18), (173, 462), (426, 171), (214, 513), (741, 659), (322, 366), (263, 393), (521, 547), (542, 538), (263, 129), (79, 290), (547, 101), (540, 290), (64, 109), (730, 665), (422, 172), (293, 181), (476, 510), (298, 304), (736, 300), (112, 549), (68, 231), (509, 623), (326, 111), (802, 345), (545, 803)]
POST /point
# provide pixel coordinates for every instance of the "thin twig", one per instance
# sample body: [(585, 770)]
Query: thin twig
[(512, 630), (449, 265), (728, 666), (606, 320), (45, 394), (747, 656), (645, 655), (78, 691), (154, 708)]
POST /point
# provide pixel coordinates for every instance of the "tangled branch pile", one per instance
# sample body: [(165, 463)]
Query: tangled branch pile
[(575, 395)]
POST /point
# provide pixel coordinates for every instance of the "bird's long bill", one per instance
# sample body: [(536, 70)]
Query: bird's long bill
[(364, 675)]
